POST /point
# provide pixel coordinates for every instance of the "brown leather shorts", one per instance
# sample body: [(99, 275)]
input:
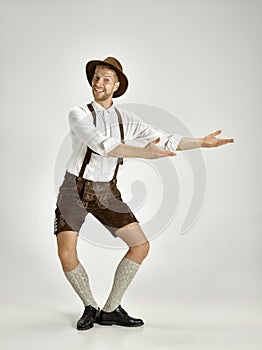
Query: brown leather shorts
[(103, 200)]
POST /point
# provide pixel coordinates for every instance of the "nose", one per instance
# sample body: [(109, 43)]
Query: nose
[(98, 81)]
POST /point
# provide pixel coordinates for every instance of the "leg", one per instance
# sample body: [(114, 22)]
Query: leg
[(66, 243), (77, 277), (134, 237), (69, 216), (136, 240), (74, 271)]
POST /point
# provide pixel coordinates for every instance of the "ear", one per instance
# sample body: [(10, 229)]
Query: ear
[(116, 86)]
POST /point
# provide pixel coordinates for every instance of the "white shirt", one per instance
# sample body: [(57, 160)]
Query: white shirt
[(105, 136)]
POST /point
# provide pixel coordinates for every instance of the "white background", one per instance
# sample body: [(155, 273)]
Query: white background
[(201, 61)]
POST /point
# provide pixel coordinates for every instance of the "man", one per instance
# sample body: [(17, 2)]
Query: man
[(99, 132)]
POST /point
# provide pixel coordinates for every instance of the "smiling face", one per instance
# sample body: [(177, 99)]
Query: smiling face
[(104, 84)]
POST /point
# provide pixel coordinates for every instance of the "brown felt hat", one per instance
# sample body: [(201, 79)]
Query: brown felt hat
[(114, 64)]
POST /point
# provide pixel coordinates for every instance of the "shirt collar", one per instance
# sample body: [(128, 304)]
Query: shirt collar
[(99, 108)]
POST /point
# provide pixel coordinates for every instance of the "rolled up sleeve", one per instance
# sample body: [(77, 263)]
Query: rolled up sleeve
[(82, 127), (148, 133), (174, 141), (109, 144)]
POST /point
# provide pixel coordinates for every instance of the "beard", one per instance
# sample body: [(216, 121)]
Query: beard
[(104, 96)]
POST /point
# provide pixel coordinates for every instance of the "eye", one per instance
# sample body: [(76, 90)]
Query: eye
[(107, 80)]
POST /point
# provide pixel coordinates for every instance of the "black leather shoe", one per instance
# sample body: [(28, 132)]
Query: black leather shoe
[(88, 318), (118, 317)]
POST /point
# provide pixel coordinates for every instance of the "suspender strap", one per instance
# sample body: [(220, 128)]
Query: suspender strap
[(119, 160), (89, 151)]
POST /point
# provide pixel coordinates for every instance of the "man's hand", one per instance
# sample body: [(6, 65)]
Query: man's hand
[(212, 141), (153, 152)]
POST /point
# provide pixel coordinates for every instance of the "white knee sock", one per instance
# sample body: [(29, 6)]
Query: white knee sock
[(124, 274), (80, 282)]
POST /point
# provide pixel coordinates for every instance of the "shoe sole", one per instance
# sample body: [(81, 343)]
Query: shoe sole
[(111, 323), (86, 328)]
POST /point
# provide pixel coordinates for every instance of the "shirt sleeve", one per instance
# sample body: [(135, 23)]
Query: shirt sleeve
[(147, 133), (81, 124)]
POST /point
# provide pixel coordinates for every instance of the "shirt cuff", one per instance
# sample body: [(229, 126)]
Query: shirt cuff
[(109, 144), (175, 139)]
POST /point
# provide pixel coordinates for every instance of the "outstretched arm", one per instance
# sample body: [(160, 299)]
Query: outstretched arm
[(151, 151), (208, 141)]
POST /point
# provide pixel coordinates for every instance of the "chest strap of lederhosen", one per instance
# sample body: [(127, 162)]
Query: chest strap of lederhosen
[(89, 151)]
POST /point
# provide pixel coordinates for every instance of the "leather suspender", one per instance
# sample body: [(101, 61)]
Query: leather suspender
[(119, 160), (89, 151)]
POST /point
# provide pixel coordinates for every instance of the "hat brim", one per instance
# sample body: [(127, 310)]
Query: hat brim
[(90, 70)]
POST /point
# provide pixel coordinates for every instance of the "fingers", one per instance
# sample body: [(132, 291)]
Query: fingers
[(224, 142), (169, 153), (216, 132), (156, 140), (157, 152), (166, 153), (160, 153), (228, 140)]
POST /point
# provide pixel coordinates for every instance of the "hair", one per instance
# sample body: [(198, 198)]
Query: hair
[(109, 67)]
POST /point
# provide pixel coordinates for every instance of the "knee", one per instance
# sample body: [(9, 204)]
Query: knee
[(146, 247), (141, 251), (68, 259)]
